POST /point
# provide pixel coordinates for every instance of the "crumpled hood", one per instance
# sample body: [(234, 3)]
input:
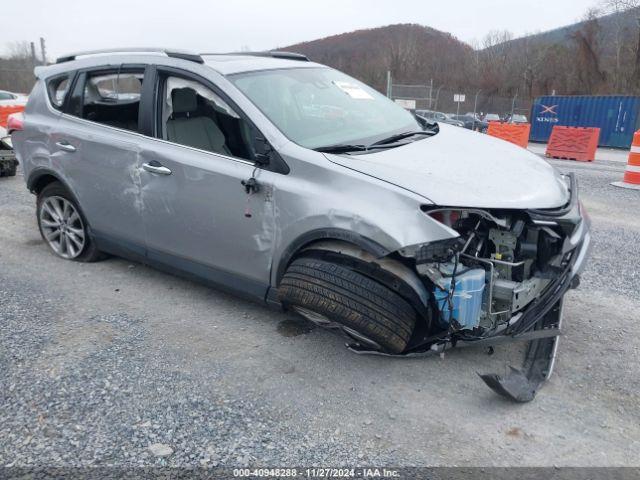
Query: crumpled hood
[(460, 168)]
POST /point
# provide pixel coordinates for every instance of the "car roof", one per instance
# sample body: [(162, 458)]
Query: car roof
[(229, 64), (224, 64)]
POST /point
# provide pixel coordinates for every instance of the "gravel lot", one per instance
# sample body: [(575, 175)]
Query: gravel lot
[(117, 364)]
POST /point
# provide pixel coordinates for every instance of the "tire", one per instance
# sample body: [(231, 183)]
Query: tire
[(56, 192), (350, 299)]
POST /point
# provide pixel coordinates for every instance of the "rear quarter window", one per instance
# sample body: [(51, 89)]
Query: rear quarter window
[(57, 89)]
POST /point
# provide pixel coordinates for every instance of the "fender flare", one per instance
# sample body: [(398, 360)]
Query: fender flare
[(39, 172), (298, 244)]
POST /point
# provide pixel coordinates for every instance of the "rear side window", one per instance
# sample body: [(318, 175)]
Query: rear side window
[(57, 89), (110, 98)]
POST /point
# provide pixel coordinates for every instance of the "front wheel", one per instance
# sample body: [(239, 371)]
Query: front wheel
[(63, 227), (326, 292)]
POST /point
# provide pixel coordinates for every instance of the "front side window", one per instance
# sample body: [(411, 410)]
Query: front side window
[(110, 98), (195, 116), (318, 107), (7, 96), (57, 90)]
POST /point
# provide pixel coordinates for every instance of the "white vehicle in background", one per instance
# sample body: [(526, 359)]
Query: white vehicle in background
[(10, 98)]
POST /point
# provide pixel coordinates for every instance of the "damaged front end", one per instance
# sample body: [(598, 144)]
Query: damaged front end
[(502, 279)]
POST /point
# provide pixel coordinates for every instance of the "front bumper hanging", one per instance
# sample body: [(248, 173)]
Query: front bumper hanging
[(520, 384)]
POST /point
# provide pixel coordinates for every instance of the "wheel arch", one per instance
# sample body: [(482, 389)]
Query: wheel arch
[(322, 235), (41, 177), (367, 255)]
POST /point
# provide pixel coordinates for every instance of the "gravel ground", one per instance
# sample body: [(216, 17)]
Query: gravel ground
[(117, 364)]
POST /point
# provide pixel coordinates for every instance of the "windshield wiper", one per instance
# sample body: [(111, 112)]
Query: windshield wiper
[(384, 143), (401, 136), (341, 148)]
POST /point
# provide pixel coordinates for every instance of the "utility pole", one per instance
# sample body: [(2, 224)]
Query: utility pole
[(389, 84), (637, 66), (513, 105), (43, 50), (437, 96), (430, 94), (475, 109), (33, 54)]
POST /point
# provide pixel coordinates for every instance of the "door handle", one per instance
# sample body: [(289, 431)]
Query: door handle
[(156, 167), (66, 146)]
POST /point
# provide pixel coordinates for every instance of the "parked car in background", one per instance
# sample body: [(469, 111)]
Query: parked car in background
[(516, 118), (8, 162), (471, 122), (10, 98), (439, 117), (492, 117), (296, 185)]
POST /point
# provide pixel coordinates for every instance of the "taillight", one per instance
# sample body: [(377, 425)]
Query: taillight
[(15, 122)]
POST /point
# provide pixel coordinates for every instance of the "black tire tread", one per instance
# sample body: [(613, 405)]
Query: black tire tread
[(351, 299), (355, 282), (345, 296)]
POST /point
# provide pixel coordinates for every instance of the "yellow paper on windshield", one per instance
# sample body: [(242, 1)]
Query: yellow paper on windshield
[(353, 90)]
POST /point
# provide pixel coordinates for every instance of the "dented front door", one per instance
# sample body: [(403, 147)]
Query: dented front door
[(198, 217)]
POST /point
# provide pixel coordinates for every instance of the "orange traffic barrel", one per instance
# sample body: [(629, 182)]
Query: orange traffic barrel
[(632, 172)]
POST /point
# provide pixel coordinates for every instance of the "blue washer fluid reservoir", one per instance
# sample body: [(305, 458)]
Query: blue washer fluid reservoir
[(467, 297)]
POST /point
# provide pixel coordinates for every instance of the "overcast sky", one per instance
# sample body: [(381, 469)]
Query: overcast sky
[(221, 26)]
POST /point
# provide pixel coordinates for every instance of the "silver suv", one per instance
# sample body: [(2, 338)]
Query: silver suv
[(292, 183)]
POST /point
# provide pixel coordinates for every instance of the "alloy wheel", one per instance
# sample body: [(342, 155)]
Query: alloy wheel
[(62, 227)]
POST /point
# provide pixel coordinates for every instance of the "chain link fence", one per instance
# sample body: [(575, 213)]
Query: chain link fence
[(460, 101)]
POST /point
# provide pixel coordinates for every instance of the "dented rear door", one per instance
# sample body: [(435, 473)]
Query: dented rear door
[(101, 165)]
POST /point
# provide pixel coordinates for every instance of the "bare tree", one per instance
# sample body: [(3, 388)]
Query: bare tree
[(586, 38), (19, 50), (619, 9)]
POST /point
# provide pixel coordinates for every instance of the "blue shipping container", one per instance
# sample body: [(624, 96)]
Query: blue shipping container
[(617, 117)]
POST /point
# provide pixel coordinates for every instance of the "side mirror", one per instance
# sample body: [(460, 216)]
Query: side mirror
[(267, 157), (263, 151)]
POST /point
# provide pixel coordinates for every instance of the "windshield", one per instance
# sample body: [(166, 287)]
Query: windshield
[(318, 107)]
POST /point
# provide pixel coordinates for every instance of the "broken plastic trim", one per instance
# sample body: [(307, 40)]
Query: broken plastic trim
[(521, 385)]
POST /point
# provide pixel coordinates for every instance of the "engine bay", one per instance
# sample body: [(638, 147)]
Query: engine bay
[(482, 281)]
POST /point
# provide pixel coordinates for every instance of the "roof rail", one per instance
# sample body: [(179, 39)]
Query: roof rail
[(193, 57), (273, 54)]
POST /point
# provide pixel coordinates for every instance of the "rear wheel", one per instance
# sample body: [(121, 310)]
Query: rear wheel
[(63, 226), (326, 292)]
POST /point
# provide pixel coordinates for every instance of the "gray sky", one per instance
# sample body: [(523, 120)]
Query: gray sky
[(211, 25)]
